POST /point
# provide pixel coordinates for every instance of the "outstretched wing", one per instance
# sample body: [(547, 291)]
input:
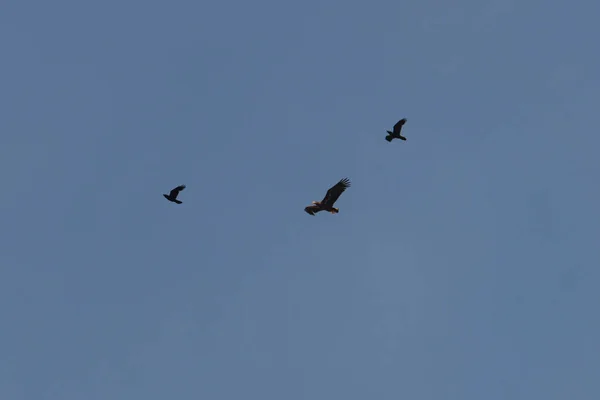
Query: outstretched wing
[(312, 210), (335, 191), (398, 126), (176, 191)]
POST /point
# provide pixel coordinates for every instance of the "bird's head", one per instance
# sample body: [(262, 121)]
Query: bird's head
[(316, 203)]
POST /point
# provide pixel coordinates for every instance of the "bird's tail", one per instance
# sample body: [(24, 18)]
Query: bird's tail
[(178, 201), (389, 138), (335, 210), (402, 137)]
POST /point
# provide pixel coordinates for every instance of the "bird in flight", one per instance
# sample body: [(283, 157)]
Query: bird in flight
[(330, 198), (395, 134), (172, 196)]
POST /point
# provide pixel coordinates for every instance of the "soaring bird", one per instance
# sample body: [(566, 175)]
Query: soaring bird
[(396, 133), (172, 196), (330, 198)]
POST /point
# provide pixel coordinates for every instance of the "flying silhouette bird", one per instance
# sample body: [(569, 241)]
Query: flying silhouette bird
[(395, 134), (330, 198), (172, 196)]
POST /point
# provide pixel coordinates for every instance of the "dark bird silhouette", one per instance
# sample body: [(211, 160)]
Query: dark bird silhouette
[(330, 198), (172, 196), (395, 134)]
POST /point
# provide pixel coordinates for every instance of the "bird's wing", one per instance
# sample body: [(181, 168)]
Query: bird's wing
[(312, 210), (398, 126), (335, 191), (176, 191)]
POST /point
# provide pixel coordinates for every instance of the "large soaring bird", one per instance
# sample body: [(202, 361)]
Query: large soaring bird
[(330, 198), (395, 134), (172, 196)]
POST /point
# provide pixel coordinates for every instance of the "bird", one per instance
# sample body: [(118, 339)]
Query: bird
[(396, 133), (330, 198), (172, 196)]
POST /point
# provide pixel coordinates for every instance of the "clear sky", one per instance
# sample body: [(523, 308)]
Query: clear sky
[(464, 262)]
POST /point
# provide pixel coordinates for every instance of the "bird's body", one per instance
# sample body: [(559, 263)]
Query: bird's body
[(172, 196), (395, 134), (330, 198)]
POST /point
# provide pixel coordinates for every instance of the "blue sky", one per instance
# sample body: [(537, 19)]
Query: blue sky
[(463, 263)]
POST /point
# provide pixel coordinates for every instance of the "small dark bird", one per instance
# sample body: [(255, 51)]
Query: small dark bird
[(172, 196), (331, 197), (395, 134)]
